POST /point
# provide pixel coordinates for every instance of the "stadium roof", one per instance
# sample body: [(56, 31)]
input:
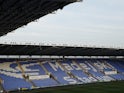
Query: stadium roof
[(17, 13), (7, 49)]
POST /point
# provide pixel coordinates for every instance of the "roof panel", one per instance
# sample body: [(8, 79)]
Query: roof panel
[(6, 49), (17, 13)]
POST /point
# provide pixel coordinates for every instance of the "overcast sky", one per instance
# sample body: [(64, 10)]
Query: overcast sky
[(92, 22)]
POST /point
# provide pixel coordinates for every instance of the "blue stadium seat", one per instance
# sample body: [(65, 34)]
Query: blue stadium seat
[(92, 70), (78, 72), (57, 72), (13, 80), (117, 66), (66, 72), (118, 76), (34, 69), (89, 65)]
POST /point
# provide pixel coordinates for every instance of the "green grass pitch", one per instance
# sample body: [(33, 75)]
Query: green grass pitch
[(108, 87)]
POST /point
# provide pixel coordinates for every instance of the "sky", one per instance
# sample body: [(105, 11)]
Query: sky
[(91, 22)]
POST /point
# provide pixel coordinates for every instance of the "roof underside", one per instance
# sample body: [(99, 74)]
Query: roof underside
[(17, 13), (6, 49)]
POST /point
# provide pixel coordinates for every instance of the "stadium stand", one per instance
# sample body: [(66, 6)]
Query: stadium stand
[(25, 67), (31, 74)]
